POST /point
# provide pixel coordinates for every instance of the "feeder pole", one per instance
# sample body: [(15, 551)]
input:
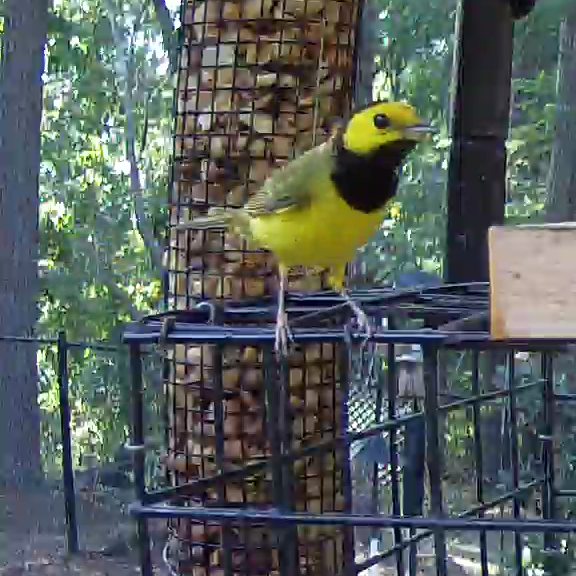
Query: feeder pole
[(480, 119)]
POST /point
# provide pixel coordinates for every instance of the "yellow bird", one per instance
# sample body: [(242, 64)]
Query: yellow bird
[(316, 210)]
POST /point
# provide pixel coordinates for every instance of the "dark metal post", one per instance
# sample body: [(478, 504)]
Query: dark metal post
[(276, 385), (138, 450), (433, 453), (477, 168), (514, 454), (219, 416), (479, 454), (392, 384), (67, 469), (344, 365), (547, 438)]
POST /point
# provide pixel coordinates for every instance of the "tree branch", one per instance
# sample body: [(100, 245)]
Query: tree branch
[(125, 70), (108, 278), (144, 139), (168, 33)]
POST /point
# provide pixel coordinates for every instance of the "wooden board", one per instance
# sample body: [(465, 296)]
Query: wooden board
[(533, 281)]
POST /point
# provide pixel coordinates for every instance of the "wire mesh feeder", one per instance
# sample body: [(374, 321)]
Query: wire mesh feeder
[(231, 417), (258, 81), (482, 403)]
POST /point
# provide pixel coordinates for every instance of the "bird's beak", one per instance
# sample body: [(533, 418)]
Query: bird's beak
[(420, 131)]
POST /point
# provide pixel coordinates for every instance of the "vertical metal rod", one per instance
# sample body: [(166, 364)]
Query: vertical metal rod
[(138, 456), (375, 496), (67, 469), (433, 453), (548, 489), (514, 455), (219, 430), (275, 386), (290, 547), (344, 370), (478, 456), (393, 449)]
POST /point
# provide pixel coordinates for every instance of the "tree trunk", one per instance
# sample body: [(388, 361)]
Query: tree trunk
[(23, 41), (561, 180), (561, 185), (234, 124)]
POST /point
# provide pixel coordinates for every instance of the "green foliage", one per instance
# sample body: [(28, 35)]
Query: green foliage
[(96, 269), (414, 63)]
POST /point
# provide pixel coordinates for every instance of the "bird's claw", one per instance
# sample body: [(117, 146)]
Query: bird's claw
[(363, 323), (283, 335)]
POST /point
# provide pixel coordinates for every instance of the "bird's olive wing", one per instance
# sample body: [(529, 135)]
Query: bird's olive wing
[(292, 186)]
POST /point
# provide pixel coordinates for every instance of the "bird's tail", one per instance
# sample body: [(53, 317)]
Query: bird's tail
[(218, 218)]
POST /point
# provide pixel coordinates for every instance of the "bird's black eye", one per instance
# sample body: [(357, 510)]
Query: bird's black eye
[(381, 121)]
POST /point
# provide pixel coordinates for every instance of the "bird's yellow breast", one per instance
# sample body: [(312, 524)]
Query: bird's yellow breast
[(324, 234)]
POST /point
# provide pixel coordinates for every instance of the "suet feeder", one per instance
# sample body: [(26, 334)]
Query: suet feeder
[(258, 82)]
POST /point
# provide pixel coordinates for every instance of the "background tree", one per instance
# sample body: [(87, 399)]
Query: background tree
[(561, 200), (105, 149), (22, 65)]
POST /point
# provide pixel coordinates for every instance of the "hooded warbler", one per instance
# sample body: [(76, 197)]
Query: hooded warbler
[(316, 210)]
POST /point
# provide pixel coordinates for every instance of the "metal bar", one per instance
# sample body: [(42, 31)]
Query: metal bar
[(549, 492), (97, 346), (247, 335), (250, 335), (564, 397), (478, 457), (138, 447), (349, 544), (67, 468), (275, 422), (329, 519), (514, 456), (565, 493), (433, 453), (289, 549), (219, 431), (391, 382)]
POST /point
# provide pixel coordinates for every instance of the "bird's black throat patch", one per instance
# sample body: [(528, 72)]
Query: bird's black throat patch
[(367, 182)]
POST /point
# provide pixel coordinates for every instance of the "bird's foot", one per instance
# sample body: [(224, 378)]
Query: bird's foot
[(283, 334), (361, 320)]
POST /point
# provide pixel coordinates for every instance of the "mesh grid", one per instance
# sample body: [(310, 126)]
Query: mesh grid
[(258, 81), (221, 419)]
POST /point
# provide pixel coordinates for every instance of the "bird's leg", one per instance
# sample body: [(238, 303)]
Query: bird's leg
[(336, 280), (283, 333), (361, 318)]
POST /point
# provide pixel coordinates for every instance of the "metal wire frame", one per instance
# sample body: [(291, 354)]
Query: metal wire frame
[(440, 304)]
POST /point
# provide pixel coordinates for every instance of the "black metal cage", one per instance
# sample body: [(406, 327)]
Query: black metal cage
[(444, 430)]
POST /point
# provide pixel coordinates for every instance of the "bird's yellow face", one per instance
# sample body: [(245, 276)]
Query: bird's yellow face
[(382, 123)]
